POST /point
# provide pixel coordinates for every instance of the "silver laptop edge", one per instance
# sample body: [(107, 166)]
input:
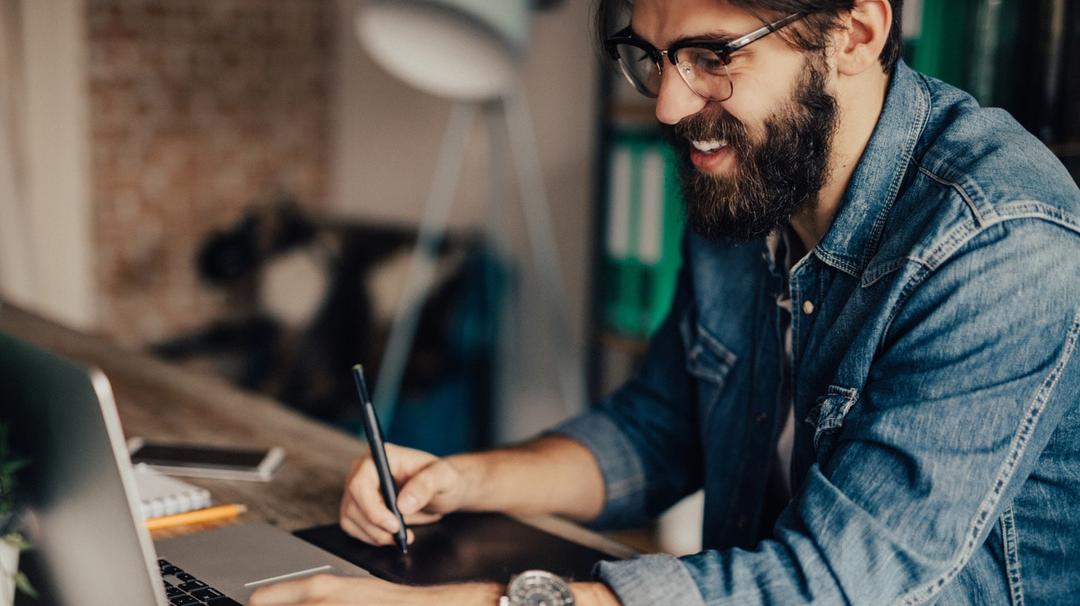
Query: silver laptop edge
[(86, 516), (107, 404), (79, 489)]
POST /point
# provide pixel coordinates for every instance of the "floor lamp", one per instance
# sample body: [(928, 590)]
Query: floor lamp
[(471, 52)]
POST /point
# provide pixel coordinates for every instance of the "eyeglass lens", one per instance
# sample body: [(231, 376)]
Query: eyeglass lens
[(700, 68)]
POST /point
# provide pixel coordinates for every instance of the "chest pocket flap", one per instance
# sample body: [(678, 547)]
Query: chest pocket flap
[(707, 359), (828, 415)]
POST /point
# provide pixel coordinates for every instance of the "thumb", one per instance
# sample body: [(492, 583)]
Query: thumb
[(423, 487)]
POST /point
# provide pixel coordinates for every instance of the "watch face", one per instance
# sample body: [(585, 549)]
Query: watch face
[(537, 588)]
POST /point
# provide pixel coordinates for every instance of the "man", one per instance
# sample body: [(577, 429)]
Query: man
[(889, 418)]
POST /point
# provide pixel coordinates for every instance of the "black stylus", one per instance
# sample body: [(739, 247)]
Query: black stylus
[(378, 452)]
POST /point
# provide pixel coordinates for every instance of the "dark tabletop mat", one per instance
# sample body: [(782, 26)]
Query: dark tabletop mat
[(463, 547)]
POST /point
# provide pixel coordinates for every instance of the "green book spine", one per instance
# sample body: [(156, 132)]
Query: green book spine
[(622, 274), (650, 251), (986, 46), (945, 42), (644, 233), (671, 233)]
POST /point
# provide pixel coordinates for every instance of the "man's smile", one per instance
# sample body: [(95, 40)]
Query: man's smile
[(708, 156)]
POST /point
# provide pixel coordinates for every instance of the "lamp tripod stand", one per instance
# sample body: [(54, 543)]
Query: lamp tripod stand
[(511, 112)]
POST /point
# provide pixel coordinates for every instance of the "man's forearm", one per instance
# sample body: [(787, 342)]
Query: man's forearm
[(550, 475)]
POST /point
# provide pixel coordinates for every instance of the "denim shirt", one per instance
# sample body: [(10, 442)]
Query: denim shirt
[(935, 332)]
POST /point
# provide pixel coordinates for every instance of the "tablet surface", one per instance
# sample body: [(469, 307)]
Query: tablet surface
[(463, 547)]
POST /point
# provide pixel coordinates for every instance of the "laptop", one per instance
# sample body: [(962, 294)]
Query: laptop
[(84, 517)]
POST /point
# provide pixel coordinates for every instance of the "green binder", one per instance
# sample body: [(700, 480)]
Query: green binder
[(622, 275), (944, 46), (664, 270), (643, 232)]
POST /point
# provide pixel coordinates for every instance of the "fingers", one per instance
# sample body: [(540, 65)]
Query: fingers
[(424, 489), (356, 525), (427, 479), (422, 518), (405, 461), (329, 589), (310, 590), (351, 517), (363, 489), (364, 514)]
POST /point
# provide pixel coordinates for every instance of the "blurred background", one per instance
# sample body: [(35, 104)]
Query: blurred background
[(237, 186)]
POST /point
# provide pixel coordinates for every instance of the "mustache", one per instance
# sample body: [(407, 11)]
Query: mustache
[(707, 127)]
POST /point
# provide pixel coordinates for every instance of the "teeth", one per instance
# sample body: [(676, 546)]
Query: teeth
[(708, 146)]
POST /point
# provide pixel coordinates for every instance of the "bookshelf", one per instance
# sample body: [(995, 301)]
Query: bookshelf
[(637, 234), (1020, 55)]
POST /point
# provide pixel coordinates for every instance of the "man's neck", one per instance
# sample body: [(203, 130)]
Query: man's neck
[(860, 108)]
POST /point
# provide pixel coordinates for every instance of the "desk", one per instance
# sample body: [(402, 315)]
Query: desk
[(160, 401)]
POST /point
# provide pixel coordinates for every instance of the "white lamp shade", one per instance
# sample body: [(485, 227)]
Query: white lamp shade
[(460, 49)]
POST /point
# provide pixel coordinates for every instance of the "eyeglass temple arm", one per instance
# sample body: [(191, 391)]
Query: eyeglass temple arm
[(763, 31)]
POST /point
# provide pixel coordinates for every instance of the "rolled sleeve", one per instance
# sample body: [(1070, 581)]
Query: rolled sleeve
[(650, 580), (645, 435), (624, 475)]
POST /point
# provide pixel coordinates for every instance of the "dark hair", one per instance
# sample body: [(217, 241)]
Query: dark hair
[(810, 34)]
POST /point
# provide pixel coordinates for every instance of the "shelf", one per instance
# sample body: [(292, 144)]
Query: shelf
[(624, 343), (634, 114)]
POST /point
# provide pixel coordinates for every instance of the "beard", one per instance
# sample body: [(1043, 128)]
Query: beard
[(774, 178)]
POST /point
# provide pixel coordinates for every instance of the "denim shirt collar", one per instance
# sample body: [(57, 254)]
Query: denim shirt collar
[(851, 240)]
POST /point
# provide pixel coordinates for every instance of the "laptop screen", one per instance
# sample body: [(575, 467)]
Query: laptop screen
[(79, 486)]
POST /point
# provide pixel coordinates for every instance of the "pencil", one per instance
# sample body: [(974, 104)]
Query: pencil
[(208, 514)]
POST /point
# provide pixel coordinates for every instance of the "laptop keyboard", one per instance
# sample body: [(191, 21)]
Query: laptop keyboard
[(182, 589)]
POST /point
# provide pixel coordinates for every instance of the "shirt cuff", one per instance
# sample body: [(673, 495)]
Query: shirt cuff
[(650, 580), (624, 476)]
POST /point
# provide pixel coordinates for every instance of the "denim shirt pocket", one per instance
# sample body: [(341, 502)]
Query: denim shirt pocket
[(827, 416), (708, 361)]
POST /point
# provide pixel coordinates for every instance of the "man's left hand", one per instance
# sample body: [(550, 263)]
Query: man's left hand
[(329, 589)]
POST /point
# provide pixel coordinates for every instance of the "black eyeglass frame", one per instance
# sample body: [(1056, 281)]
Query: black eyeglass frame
[(723, 50)]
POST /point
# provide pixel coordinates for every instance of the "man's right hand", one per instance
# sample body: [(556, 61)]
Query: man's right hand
[(549, 475), (429, 488)]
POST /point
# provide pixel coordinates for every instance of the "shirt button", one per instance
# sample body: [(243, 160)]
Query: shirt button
[(808, 307)]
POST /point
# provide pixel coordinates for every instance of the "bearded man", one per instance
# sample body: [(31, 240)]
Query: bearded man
[(871, 362)]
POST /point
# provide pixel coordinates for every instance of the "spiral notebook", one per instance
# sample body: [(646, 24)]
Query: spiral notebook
[(162, 496)]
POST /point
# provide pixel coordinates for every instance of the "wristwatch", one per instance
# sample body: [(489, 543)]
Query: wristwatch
[(537, 588)]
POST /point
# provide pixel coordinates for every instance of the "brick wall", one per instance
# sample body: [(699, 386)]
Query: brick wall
[(198, 108)]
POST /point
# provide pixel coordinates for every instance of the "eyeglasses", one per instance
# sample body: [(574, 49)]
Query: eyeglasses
[(703, 64)]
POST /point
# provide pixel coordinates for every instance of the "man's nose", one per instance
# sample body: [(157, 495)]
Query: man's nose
[(675, 100)]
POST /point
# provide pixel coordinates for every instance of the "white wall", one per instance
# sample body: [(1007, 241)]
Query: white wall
[(386, 141), (45, 192), (912, 25), (16, 280)]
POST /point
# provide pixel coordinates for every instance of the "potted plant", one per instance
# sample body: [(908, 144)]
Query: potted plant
[(11, 542)]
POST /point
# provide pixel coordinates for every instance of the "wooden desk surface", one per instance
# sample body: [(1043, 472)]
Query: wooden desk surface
[(158, 400)]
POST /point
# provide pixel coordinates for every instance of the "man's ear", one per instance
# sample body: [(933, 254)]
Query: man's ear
[(865, 32)]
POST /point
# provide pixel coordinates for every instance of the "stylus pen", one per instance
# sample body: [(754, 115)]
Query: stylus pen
[(378, 452)]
